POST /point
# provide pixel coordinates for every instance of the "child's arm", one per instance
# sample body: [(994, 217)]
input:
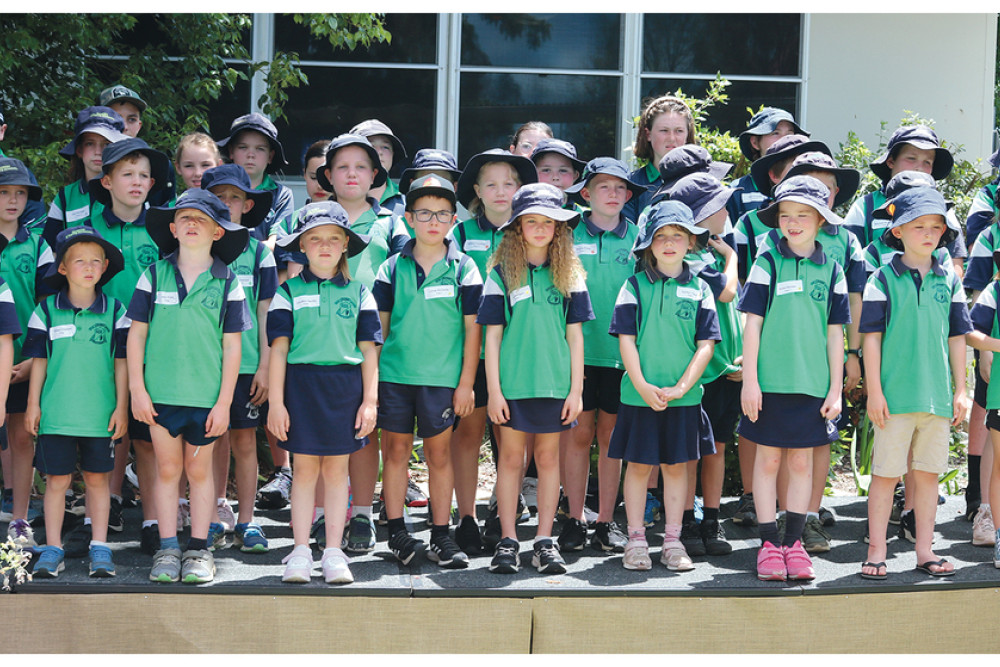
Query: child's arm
[(33, 415), (142, 405), (695, 368), (20, 372), (835, 354), (750, 396), (218, 419), (730, 270), (852, 366), (573, 405), (118, 426), (956, 355), (464, 400), (258, 388), (6, 363), (653, 395), (497, 410), (364, 423), (878, 409), (277, 414)]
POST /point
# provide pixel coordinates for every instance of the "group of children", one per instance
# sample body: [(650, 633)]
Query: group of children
[(650, 311)]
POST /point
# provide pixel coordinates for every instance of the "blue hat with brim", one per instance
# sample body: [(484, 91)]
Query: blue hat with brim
[(910, 205), (704, 194), (14, 172), (83, 234), (689, 159), (258, 123), (372, 128), (227, 249), (159, 167), (323, 213), (603, 165), (430, 159), (666, 213), (465, 190), (344, 141), (564, 148), (899, 184), (235, 175), (848, 180), (802, 190), (430, 185), (764, 122), (102, 121), (918, 136), (540, 199), (786, 147)]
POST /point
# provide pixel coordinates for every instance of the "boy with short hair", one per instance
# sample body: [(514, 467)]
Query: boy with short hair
[(390, 153), (913, 307), (253, 144), (429, 288), (257, 274), (77, 336), (188, 302)]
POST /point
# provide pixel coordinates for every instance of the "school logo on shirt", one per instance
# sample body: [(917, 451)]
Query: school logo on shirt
[(23, 264), (686, 310), (147, 255), (345, 308), (99, 334), (554, 296), (212, 298), (818, 290), (941, 293), (622, 255)]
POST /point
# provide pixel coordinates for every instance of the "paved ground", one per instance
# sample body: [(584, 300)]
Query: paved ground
[(589, 573)]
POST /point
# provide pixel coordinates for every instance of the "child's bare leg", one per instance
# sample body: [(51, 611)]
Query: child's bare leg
[(396, 450), (925, 497), (221, 454), (168, 462), (510, 467), (994, 485), (280, 457), (22, 451), (466, 441), (636, 479), (800, 470), (7, 466), (547, 462), (198, 466), (747, 450), (243, 442), (98, 503), (437, 451), (609, 471), (713, 473), (55, 507), (820, 472), (574, 455), (692, 484), (879, 508), (334, 475), (364, 472), (675, 492), (121, 462), (146, 469), (767, 460), (307, 469)]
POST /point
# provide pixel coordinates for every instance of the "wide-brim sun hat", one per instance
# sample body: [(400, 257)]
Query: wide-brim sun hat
[(228, 248), (235, 175), (540, 199), (322, 213), (689, 159), (603, 165), (848, 180), (764, 122), (430, 185), (703, 193), (374, 127), (524, 168), (802, 190), (918, 136), (14, 172), (560, 147), (782, 149), (429, 159), (102, 121), (899, 184), (912, 204), (343, 141), (159, 167), (258, 123), (663, 214), (83, 234)]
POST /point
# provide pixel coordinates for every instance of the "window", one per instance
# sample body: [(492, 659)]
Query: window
[(553, 41)]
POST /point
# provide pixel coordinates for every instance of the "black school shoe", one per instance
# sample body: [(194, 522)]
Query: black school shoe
[(691, 539), (445, 552), (468, 537), (746, 512), (608, 538), (546, 558), (908, 527), (404, 546), (149, 542), (505, 558), (714, 539), (573, 536), (115, 520)]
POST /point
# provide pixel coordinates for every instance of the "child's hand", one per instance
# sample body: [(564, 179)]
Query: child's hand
[(653, 396), (985, 365), (32, 416), (20, 372), (572, 407), (463, 401), (878, 409), (720, 246), (218, 421), (277, 421), (497, 409), (852, 372), (832, 405), (671, 394), (364, 423), (751, 400), (118, 426), (736, 376), (960, 408), (142, 407), (258, 388)]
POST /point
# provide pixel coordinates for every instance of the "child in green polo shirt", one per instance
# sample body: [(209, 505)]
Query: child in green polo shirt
[(191, 302), (534, 303), (390, 153), (913, 309), (430, 289), (661, 423), (77, 336), (796, 305)]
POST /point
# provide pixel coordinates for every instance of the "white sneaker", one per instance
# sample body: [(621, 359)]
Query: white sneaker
[(226, 515), (298, 565), (335, 569), (983, 530), (20, 532)]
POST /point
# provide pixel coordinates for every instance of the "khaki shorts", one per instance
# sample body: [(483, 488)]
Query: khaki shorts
[(926, 435)]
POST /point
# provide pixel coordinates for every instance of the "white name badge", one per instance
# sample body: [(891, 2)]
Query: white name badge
[(167, 298), (477, 245), (440, 292), (78, 214), (62, 331), (246, 281), (308, 301), (520, 294), (585, 249), (689, 293), (878, 223), (788, 287)]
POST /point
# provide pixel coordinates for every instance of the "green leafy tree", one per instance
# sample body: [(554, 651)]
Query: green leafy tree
[(56, 64)]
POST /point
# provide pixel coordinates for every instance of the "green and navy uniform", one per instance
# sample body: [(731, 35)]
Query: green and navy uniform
[(386, 235), (394, 201), (878, 254), (710, 266), (839, 245), (866, 227), (982, 212), (134, 242), (981, 269), (281, 206), (749, 234), (72, 206), (649, 178), (35, 214), (984, 319), (23, 264), (9, 325), (748, 197)]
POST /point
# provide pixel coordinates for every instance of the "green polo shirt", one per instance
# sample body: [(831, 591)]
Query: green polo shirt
[(710, 266), (72, 205), (137, 249), (607, 258), (984, 316), (257, 274), (23, 264), (385, 234), (749, 234)]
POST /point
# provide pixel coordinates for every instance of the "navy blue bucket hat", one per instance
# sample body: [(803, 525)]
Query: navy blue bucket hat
[(689, 159), (703, 193), (83, 234), (235, 175), (258, 123), (322, 213), (564, 148), (899, 184), (524, 167), (786, 147), (540, 199), (13, 172), (228, 248), (102, 121), (764, 122), (373, 127), (603, 165), (848, 180), (430, 159), (803, 190), (343, 141), (910, 205), (918, 136), (159, 166), (668, 213)]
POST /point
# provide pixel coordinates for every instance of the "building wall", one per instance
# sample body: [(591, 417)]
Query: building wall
[(860, 70)]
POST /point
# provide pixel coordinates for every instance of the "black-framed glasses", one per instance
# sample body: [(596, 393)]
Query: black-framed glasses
[(424, 215)]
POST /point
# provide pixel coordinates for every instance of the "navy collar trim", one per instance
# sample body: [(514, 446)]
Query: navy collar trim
[(339, 280), (684, 278), (817, 257), (899, 268), (219, 268), (99, 307), (451, 249), (594, 230)]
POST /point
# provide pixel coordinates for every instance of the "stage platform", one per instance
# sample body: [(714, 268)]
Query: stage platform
[(596, 607)]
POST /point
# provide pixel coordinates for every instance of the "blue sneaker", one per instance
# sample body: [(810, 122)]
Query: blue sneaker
[(50, 563), (251, 537), (654, 510), (101, 564), (216, 536)]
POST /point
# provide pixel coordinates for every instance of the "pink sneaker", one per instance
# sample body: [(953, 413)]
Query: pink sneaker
[(797, 563), (771, 563)]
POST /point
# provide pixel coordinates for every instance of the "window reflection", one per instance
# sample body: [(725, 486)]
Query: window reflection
[(557, 41)]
